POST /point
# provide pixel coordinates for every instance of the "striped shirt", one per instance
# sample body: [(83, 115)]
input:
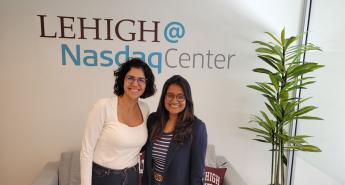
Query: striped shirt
[(160, 150)]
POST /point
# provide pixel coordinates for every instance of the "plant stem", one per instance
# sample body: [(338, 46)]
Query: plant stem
[(281, 150), (276, 173), (272, 160)]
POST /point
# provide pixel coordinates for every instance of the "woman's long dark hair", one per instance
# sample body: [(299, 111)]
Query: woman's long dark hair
[(183, 128)]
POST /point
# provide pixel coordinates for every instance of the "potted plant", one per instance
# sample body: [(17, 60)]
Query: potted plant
[(286, 73)]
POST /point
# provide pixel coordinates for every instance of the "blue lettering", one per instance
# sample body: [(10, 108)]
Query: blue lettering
[(92, 57), (126, 53), (106, 58), (75, 60), (159, 61)]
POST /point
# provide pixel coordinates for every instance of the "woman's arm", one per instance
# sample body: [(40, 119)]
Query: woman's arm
[(150, 122), (92, 132), (146, 172), (198, 153)]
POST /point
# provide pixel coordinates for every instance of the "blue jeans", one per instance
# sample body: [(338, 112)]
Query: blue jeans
[(105, 176)]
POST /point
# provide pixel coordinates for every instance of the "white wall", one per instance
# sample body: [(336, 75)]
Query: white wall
[(44, 103), (308, 174), (326, 30)]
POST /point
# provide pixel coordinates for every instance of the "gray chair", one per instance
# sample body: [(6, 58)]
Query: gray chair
[(63, 172), (67, 170)]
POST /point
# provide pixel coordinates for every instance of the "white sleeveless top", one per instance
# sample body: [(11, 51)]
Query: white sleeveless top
[(108, 142)]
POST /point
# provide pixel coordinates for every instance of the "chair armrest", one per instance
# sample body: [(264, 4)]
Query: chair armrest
[(48, 175)]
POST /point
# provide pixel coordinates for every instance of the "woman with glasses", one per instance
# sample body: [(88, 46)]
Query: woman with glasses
[(176, 146), (116, 129)]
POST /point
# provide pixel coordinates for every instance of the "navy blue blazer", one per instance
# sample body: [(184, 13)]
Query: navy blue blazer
[(185, 164)]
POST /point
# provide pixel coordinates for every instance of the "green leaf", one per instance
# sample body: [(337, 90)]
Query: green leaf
[(264, 44), (260, 89), (311, 46), (284, 159), (265, 116), (306, 148), (269, 61), (301, 136), (263, 124), (261, 140), (290, 41), (297, 140), (304, 110), (310, 118), (303, 69), (273, 37), (284, 95), (269, 98), (269, 139), (292, 105), (282, 37), (265, 50), (262, 70), (265, 86), (302, 86), (269, 123), (296, 81), (272, 111), (256, 130), (278, 51), (272, 58), (274, 81)]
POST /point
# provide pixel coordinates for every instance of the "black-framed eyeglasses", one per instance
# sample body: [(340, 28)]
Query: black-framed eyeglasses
[(132, 79), (179, 97)]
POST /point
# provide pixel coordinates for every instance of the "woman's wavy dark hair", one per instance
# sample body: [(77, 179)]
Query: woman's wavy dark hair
[(183, 128), (121, 72)]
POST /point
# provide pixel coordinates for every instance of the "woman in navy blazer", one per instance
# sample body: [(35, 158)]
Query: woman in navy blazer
[(176, 147)]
